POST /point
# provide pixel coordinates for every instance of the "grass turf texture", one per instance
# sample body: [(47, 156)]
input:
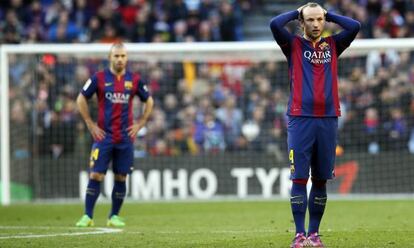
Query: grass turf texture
[(209, 224)]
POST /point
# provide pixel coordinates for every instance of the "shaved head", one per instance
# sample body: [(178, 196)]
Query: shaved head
[(118, 58), (307, 6), (117, 45), (312, 20)]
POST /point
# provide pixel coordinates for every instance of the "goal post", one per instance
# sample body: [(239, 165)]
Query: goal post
[(5, 129), (221, 52)]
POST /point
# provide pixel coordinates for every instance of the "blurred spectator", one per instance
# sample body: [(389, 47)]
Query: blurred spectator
[(372, 130), (177, 10), (390, 21), (161, 28), (64, 30), (377, 59), (258, 130), (397, 130), (81, 14), (232, 119), (142, 30), (171, 109), (206, 9), (209, 134), (179, 31), (11, 28), (94, 31), (228, 24), (18, 121), (110, 34)]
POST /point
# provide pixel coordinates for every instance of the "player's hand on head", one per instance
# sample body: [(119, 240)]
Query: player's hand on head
[(96, 132), (300, 9), (134, 129)]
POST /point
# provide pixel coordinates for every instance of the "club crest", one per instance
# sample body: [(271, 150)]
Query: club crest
[(324, 46), (128, 85)]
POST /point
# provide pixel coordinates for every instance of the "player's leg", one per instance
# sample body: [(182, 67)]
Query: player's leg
[(122, 164), (300, 143), (316, 205), (322, 170), (118, 196), (298, 203), (99, 159)]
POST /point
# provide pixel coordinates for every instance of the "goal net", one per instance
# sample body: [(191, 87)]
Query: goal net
[(218, 128)]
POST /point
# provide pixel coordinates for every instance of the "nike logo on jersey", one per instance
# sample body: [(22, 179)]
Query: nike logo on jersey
[(108, 84)]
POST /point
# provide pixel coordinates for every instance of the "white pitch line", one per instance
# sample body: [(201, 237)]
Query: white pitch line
[(211, 232), (98, 231)]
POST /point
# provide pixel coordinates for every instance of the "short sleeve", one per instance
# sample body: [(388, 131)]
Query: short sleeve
[(90, 86), (142, 90)]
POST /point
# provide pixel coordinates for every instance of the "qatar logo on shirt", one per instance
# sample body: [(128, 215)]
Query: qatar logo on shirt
[(117, 97), (318, 57)]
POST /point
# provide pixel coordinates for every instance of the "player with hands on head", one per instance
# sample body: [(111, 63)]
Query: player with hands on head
[(313, 109)]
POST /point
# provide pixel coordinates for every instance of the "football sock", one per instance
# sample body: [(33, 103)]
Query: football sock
[(317, 203), (118, 195), (92, 192), (298, 203)]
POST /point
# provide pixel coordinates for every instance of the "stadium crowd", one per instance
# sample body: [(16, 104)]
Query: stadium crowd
[(65, 21), (228, 106), (107, 21)]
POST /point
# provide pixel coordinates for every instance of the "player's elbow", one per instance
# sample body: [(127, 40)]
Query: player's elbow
[(150, 101), (356, 27), (274, 24), (80, 100)]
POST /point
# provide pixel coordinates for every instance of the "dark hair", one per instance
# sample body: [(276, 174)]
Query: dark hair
[(309, 4)]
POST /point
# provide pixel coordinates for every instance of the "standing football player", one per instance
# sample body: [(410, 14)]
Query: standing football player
[(313, 109), (114, 131)]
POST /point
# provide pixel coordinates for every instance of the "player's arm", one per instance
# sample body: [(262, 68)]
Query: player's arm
[(83, 107), (345, 37), (277, 25), (134, 129), (87, 91), (144, 96)]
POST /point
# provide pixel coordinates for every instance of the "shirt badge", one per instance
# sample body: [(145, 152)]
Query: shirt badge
[(128, 85), (324, 46)]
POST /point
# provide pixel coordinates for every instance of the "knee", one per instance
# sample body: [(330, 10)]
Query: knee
[(320, 183), (97, 176), (120, 177)]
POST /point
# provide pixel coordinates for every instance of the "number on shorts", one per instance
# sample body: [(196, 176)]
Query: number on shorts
[(291, 156), (95, 154)]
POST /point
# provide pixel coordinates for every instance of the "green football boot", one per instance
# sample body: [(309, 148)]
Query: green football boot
[(85, 221), (115, 221)]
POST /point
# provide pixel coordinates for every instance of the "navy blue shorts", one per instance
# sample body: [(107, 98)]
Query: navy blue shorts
[(311, 146), (121, 155)]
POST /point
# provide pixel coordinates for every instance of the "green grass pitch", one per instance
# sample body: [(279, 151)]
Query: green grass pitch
[(207, 224)]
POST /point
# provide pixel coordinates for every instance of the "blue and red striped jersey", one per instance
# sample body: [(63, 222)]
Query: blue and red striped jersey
[(115, 98), (313, 78), (313, 72)]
